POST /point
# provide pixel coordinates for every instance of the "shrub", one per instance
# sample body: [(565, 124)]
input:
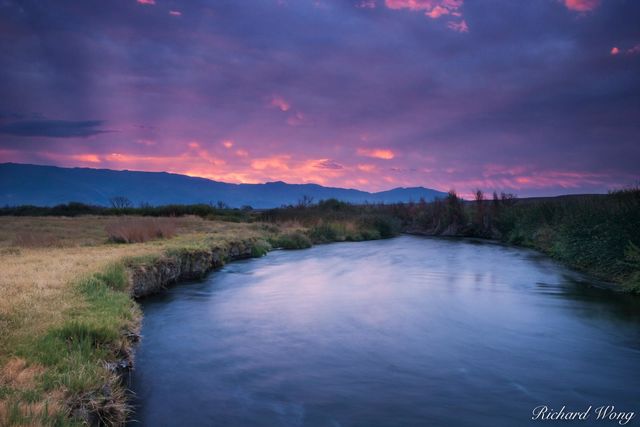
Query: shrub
[(632, 256), (379, 227), (260, 248), (294, 240), (327, 232), (138, 230), (366, 234)]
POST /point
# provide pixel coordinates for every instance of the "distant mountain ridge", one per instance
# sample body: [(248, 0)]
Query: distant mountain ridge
[(25, 184)]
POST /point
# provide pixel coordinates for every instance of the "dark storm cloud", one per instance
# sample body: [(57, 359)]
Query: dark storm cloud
[(53, 128)]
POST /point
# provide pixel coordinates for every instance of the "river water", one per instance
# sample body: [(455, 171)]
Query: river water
[(409, 331)]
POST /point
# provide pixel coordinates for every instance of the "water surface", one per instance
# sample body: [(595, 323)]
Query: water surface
[(403, 332)]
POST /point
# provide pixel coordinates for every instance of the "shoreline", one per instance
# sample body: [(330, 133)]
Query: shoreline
[(594, 280), (147, 274), (146, 280)]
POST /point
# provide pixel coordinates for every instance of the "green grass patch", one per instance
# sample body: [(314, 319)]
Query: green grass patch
[(74, 354), (293, 240), (260, 248)]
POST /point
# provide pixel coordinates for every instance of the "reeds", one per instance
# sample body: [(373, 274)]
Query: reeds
[(139, 230)]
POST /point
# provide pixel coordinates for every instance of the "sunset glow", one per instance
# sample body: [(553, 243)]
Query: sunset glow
[(537, 98)]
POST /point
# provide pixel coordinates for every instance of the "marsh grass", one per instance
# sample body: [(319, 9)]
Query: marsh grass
[(140, 230)]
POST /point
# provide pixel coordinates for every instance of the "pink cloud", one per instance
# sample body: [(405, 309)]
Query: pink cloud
[(149, 2), (277, 163), (434, 9), (460, 27), (615, 51), (227, 143), (410, 4), (89, 158), (376, 153), (366, 167), (581, 5), (437, 12), (175, 12), (280, 103)]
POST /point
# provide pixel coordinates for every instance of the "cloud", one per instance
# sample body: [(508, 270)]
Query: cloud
[(581, 5), (280, 103), (496, 94), (278, 163), (460, 27), (437, 12), (631, 51), (297, 119), (53, 128), (149, 2), (175, 13), (634, 50), (227, 143), (409, 4), (366, 167), (432, 8), (376, 153), (329, 164), (89, 158), (367, 4)]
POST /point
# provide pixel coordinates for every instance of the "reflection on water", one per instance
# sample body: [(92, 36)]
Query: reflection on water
[(402, 332)]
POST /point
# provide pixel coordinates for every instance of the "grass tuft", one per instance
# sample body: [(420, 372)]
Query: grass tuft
[(260, 248), (292, 240)]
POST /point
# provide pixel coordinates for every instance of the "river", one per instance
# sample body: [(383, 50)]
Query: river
[(409, 331)]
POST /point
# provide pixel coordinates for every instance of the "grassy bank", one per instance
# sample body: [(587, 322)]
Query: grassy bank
[(597, 234), (67, 316)]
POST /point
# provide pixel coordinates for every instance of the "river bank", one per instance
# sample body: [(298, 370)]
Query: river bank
[(69, 316), (390, 332), (68, 312)]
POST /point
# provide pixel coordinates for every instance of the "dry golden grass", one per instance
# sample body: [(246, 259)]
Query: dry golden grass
[(22, 377), (140, 230), (76, 231), (41, 261), (35, 281)]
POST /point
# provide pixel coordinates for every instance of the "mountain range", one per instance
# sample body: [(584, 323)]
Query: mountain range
[(24, 184)]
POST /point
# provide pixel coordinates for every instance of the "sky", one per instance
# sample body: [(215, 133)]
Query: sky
[(529, 97)]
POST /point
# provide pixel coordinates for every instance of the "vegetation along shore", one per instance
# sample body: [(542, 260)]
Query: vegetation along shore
[(71, 273)]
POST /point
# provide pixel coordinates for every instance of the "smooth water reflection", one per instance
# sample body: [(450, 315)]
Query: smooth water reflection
[(402, 332)]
